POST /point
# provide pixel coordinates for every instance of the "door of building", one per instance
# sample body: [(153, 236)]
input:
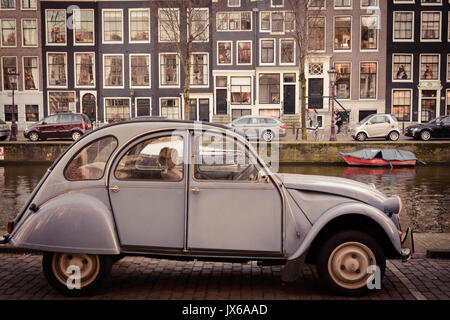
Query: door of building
[(289, 99), (315, 93), (88, 106)]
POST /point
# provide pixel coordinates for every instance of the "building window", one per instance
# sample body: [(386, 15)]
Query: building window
[(56, 69), (234, 21), (199, 69), (448, 68), (316, 31), (56, 26), (368, 80), (448, 24), (369, 33), (244, 52), (221, 95), (277, 22), (169, 69), (84, 69), (402, 66), (7, 4), (238, 113), (113, 71), (143, 107), (112, 26), (401, 104), (403, 26), (31, 73), (241, 90), (9, 65), (170, 108), (339, 4), (83, 26), (29, 33), (369, 3), (140, 70), (342, 33), (234, 3), (269, 88), (287, 51), (316, 4), (117, 109), (224, 49), (343, 81), (139, 25), (429, 67), (267, 51), (168, 25), (430, 26), (8, 112), (276, 3), (31, 112), (61, 101), (200, 24), (428, 2), (8, 32), (29, 4)]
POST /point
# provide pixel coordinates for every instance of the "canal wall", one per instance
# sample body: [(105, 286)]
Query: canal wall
[(292, 152)]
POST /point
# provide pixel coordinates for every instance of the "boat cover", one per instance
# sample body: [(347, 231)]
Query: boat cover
[(385, 154)]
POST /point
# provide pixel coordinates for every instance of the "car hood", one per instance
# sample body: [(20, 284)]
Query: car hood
[(342, 187)]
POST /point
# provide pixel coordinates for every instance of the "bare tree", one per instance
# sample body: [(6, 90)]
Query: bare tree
[(173, 15), (306, 14)]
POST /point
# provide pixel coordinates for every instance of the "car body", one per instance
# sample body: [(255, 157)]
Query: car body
[(377, 126), (180, 190), (436, 128), (5, 131), (60, 125), (265, 128)]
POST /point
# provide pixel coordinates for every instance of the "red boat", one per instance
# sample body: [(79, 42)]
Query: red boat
[(380, 157), (377, 162)]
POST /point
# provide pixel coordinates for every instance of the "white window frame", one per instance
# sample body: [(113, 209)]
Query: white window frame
[(2, 75), (404, 1), (123, 70), (159, 25), (179, 103), (149, 70), (438, 69), (440, 27), (318, 8), (149, 26), (28, 9), (324, 36), (135, 104), (233, 6), (6, 9), (431, 4), (352, 42), (377, 84), (75, 69), (15, 31), (295, 52), (46, 28), (410, 105), (369, 7), (412, 30), (343, 8), (237, 53), (351, 78), (178, 70), (23, 72), (412, 67), (104, 105), (378, 33), (228, 14), (207, 71), (207, 30), (447, 101), (66, 71), (217, 48), (64, 91), (277, 6), (270, 105), (93, 31), (448, 67), (274, 52), (103, 26), (37, 33)]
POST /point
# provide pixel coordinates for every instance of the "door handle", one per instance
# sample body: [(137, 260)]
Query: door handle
[(195, 190), (115, 189)]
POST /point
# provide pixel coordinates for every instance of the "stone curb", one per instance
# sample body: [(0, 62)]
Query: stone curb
[(438, 253)]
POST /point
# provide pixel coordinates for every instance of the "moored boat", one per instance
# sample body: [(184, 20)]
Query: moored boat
[(380, 157)]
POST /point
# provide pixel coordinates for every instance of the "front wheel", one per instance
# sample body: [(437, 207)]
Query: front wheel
[(347, 260), (393, 136), (75, 274), (268, 136), (361, 136), (425, 135), (76, 135)]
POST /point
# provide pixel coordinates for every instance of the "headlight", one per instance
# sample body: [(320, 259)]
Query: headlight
[(415, 130)]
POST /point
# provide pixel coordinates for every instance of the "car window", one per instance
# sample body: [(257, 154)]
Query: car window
[(378, 119), (51, 120), (242, 121), (90, 162), (446, 120), (218, 157), (253, 121), (271, 121), (158, 158), (262, 120), (394, 118)]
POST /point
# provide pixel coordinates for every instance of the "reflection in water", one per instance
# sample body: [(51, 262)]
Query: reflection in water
[(424, 190)]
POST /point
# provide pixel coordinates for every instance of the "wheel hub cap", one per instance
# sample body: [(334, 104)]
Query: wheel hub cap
[(88, 266)]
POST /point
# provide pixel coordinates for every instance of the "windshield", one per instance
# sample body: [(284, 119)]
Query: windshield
[(435, 120), (365, 119)]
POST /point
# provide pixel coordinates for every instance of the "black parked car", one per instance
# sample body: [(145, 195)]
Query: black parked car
[(4, 130), (437, 128)]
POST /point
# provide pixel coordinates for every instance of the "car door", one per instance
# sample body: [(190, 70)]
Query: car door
[(231, 209), (48, 127), (147, 187), (378, 126), (446, 125)]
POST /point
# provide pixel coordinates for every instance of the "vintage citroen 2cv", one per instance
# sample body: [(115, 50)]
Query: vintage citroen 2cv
[(180, 190)]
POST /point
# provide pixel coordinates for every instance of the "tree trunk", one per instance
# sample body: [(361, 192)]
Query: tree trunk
[(302, 80), (187, 80)]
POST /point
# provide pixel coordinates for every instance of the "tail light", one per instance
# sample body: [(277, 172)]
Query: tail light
[(83, 125), (10, 226), (283, 126)]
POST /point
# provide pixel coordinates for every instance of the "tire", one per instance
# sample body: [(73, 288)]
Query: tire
[(343, 260), (268, 136), (94, 269), (393, 136), (33, 136), (425, 135), (76, 135), (361, 136)]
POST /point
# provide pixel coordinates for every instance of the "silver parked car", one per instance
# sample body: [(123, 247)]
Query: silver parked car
[(377, 126), (5, 131), (266, 128), (174, 189)]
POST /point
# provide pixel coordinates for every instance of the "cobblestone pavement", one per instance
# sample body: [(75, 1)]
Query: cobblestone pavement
[(21, 277)]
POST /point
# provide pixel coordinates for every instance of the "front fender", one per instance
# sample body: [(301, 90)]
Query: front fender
[(350, 208), (72, 222)]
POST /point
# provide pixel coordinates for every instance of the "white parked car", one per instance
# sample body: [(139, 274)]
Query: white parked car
[(377, 126)]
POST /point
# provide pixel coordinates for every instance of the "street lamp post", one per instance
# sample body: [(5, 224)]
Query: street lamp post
[(332, 75), (13, 80)]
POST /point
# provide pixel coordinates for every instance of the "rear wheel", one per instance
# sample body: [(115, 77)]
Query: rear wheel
[(345, 261), (361, 136), (425, 135), (33, 136), (75, 274), (268, 136), (393, 136)]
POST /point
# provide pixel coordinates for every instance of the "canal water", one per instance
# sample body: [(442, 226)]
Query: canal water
[(425, 190)]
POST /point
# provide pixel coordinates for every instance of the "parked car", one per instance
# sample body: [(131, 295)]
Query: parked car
[(61, 125), (436, 128), (5, 131), (171, 189), (377, 126), (259, 127)]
